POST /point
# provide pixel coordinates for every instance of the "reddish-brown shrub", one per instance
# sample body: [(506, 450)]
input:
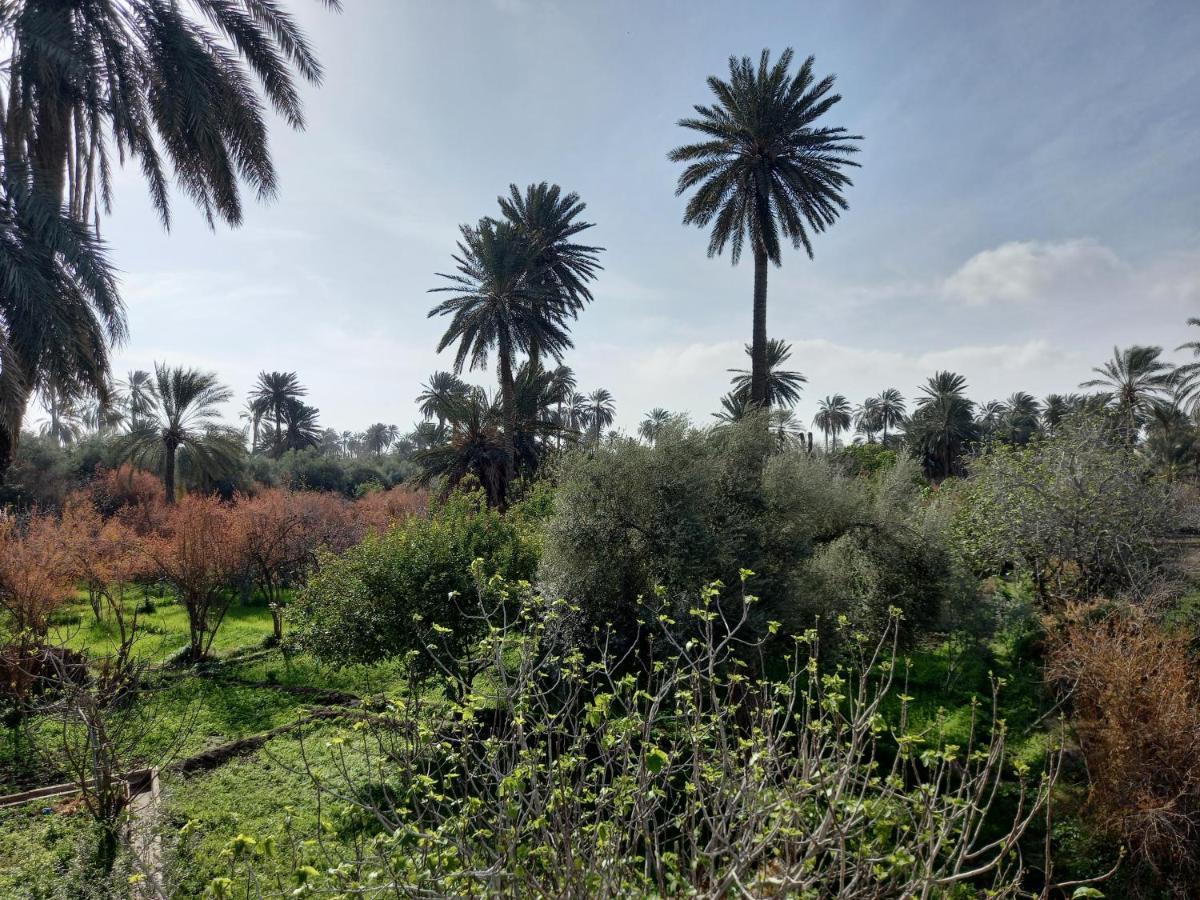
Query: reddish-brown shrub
[(133, 495), (1137, 715), (107, 555), (35, 581), (35, 575), (377, 511), (201, 552)]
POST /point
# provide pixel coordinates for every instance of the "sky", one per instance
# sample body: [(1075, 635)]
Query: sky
[(1029, 197)]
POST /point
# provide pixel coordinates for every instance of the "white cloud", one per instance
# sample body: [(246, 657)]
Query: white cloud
[(1028, 271)]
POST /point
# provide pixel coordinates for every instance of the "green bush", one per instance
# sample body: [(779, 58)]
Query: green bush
[(633, 521), (1079, 513), (400, 591)]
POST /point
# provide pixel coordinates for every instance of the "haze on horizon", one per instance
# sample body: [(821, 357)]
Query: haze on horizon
[(1027, 199)]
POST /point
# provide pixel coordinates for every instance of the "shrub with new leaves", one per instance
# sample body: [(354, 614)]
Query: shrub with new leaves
[(555, 776), (403, 590)]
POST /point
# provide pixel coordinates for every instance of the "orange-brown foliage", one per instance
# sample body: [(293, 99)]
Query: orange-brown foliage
[(1137, 709), (35, 580), (35, 575), (133, 495), (105, 554), (377, 511), (201, 552)]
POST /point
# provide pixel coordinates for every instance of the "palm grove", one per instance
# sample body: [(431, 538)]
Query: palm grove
[(530, 485)]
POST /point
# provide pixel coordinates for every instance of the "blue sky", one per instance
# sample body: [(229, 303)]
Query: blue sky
[(1029, 196)]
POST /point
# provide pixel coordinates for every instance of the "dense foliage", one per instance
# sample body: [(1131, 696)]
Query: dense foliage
[(637, 526), (1079, 512), (411, 586)]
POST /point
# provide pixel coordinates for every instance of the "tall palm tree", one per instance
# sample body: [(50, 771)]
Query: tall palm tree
[(169, 85), (601, 410), (182, 421), (653, 424), (379, 437), (783, 386), (269, 399), (437, 392), (833, 417), (547, 220), (943, 424), (497, 302), (890, 411), (765, 170), (1136, 377)]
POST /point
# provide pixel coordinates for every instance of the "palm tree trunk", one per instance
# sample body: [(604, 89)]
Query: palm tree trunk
[(507, 390), (758, 347), (10, 431), (168, 473)]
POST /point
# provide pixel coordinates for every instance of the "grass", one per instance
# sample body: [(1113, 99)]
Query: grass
[(40, 845), (164, 631), (266, 794)]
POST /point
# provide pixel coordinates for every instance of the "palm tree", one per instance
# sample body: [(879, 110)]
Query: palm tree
[(563, 389), (575, 413), (537, 394), (943, 424), (59, 307), (1021, 418), (866, 418), (651, 426), (735, 406), (547, 220), (989, 418), (301, 426), (764, 171), (890, 411), (498, 301), (379, 437), (600, 412), (436, 393), (136, 394), (833, 417), (182, 421), (64, 424), (168, 84), (474, 447), (1137, 377), (1057, 407), (270, 397), (783, 386)]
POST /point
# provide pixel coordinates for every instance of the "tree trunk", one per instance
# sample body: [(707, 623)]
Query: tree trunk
[(507, 390), (10, 434), (168, 473), (758, 347)]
